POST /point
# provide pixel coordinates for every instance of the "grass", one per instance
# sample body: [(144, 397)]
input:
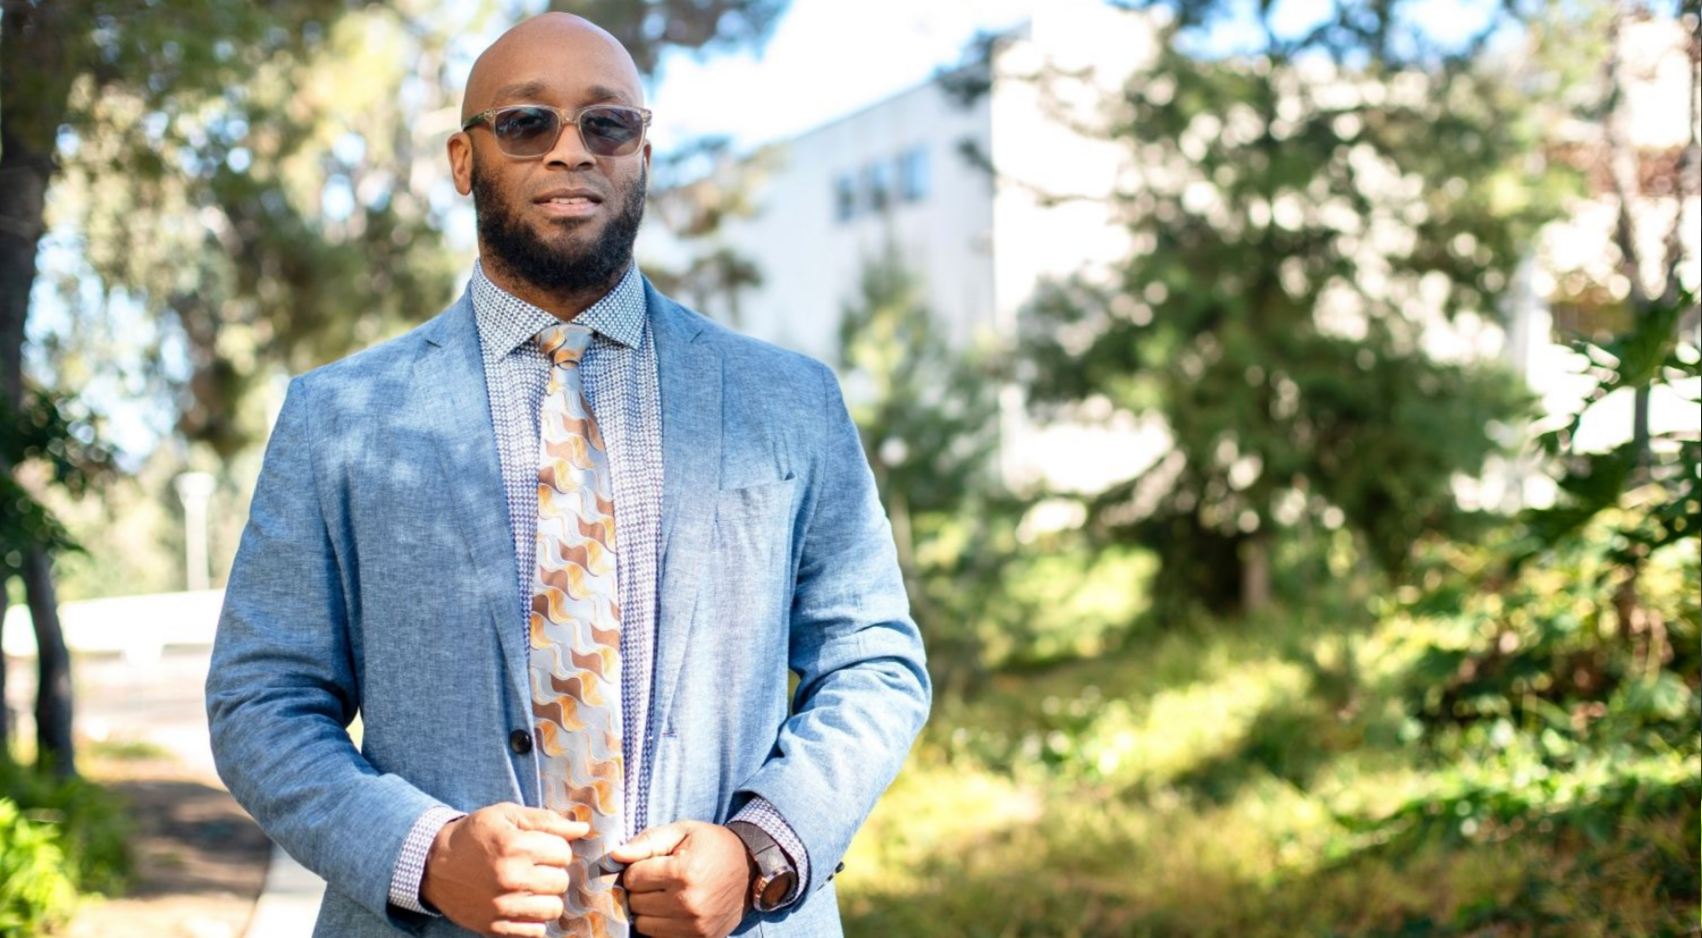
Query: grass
[(1204, 784), (125, 750)]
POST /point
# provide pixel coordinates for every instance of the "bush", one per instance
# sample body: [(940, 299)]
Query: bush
[(1542, 651), (90, 824), (35, 890)]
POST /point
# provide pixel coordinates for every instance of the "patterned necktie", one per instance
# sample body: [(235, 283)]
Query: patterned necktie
[(575, 625)]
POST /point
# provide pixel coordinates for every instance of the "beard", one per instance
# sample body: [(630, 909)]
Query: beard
[(521, 253)]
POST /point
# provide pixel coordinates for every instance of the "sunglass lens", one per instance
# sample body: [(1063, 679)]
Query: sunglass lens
[(611, 131), (526, 131)]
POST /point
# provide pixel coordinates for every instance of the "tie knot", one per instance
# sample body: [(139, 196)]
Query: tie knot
[(564, 343)]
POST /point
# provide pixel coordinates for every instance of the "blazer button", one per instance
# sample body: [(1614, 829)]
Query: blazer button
[(520, 741)]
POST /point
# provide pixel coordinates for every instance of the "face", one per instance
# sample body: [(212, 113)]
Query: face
[(564, 221)]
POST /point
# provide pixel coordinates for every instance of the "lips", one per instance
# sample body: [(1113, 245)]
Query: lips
[(569, 197), (569, 202)]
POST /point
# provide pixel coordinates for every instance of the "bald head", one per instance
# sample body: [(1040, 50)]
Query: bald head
[(555, 55), (556, 225)]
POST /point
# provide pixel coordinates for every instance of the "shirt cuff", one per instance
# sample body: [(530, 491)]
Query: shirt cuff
[(764, 815), (409, 875)]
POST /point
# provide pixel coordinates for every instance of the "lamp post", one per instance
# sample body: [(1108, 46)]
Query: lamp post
[(194, 489)]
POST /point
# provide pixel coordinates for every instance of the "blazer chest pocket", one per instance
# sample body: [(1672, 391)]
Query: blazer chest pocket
[(751, 553), (753, 503)]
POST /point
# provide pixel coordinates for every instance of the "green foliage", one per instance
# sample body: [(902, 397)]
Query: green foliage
[(1652, 353), (926, 418), (928, 414), (1542, 646), (986, 591), (35, 891), (59, 838), (48, 431), (1555, 671), (1301, 217), (250, 174), (648, 27), (1481, 803), (1257, 781), (253, 194), (91, 826)]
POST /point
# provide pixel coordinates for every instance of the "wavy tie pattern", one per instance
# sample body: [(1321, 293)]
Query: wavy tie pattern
[(575, 623)]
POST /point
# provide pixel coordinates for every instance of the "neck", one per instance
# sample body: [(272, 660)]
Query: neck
[(564, 303)]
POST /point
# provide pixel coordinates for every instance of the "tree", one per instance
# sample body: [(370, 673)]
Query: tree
[(696, 190), (648, 27), (242, 173), (1639, 175), (1302, 215), (927, 415), (46, 51), (1643, 180)]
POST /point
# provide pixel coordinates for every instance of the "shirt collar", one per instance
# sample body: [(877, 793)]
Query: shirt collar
[(506, 322)]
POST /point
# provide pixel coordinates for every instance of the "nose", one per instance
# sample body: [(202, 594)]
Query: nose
[(570, 152)]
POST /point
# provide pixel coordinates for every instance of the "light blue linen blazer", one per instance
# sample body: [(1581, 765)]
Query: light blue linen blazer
[(376, 578)]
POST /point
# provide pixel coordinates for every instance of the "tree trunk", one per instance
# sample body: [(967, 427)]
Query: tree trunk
[(1640, 434), (53, 664), (36, 74), (37, 68), (1255, 574)]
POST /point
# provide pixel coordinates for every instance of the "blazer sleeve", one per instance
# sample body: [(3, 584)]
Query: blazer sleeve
[(863, 691), (283, 689)]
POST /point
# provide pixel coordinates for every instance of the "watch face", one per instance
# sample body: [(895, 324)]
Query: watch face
[(774, 891)]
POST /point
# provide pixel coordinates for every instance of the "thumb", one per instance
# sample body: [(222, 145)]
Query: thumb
[(655, 842), (548, 822)]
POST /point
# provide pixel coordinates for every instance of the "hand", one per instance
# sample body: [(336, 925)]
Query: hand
[(502, 870), (687, 880)]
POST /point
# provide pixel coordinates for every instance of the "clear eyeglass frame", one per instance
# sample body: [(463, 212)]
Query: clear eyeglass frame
[(566, 116)]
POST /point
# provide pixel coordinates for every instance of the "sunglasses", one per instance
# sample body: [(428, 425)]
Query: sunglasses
[(528, 130)]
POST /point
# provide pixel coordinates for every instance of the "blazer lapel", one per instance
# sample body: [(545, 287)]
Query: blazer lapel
[(449, 383), (689, 374)]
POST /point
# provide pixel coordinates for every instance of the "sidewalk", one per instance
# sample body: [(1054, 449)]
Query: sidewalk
[(289, 902)]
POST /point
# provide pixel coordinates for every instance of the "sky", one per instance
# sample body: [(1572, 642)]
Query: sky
[(828, 58)]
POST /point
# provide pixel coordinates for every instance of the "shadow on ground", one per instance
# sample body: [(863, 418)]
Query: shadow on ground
[(199, 859)]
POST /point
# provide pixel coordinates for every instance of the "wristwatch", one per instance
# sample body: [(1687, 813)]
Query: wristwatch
[(775, 877)]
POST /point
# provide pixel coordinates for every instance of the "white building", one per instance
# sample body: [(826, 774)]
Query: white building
[(898, 172)]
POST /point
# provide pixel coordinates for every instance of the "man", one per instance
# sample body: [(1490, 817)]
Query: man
[(559, 548)]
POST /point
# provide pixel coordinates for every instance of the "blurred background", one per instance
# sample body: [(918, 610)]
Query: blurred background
[(1287, 411)]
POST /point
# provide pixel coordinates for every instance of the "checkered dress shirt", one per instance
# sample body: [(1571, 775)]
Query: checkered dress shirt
[(619, 375)]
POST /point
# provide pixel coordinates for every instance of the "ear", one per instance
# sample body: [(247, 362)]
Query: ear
[(461, 161), (647, 156)]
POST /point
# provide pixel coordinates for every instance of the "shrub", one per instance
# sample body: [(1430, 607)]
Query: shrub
[(35, 890), (91, 826)]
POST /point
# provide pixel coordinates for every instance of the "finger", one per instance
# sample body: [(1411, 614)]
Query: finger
[(655, 842), (659, 875), (546, 821), (663, 903), (519, 907), (502, 929), (548, 881), (542, 849)]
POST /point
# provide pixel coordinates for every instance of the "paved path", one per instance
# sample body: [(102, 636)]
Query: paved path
[(290, 901), (160, 702)]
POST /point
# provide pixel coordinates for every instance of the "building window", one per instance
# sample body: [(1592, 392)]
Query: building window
[(845, 197), (878, 179), (913, 174)]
